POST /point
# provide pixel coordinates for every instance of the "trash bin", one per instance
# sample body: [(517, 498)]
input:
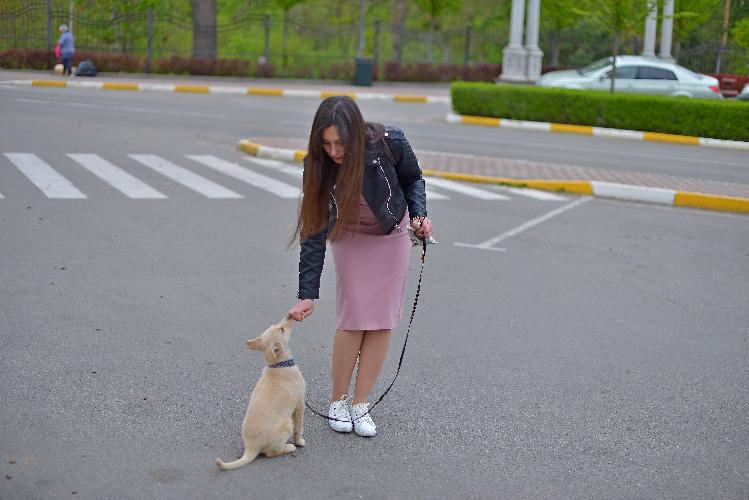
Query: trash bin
[(363, 72)]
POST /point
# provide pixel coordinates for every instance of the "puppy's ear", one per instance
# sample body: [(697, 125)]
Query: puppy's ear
[(255, 344)]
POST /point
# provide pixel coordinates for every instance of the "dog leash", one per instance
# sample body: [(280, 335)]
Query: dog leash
[(403, 351)]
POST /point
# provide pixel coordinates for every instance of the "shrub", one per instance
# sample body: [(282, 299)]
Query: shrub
[(28, 59), (670, 115)]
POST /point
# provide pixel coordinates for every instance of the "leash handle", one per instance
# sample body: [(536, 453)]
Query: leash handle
[(403, 350)]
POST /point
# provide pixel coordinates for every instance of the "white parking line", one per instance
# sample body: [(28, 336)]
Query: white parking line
[(47, 179), (465, 189), (116, 177), (489, 244), (269, 184), (185, 177)]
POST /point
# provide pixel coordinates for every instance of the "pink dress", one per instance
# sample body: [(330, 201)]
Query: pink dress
[(370, 269)]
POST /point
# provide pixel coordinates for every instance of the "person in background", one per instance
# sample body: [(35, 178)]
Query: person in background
[(66, 49)]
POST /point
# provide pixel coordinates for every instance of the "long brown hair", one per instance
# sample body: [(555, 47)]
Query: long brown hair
[(323, 177)]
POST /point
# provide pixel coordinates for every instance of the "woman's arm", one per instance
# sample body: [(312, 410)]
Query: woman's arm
[(311, 260)]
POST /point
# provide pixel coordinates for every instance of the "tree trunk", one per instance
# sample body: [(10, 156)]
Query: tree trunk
[(555, 43), (399, 16), (204, 28), (613, 68), (285, 44)]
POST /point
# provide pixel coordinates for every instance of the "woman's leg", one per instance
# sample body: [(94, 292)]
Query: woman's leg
[(346, 345), (374, 350), (66, 65)]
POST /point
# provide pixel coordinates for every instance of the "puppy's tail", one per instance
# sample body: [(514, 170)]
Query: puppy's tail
[(248, 457)]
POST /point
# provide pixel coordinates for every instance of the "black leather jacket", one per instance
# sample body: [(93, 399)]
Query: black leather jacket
[(388, 190)]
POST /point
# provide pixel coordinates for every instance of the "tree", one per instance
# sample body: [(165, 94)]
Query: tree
[(434, 10), (286, 6), (399, 28), (204, 28), (740, 33), (558, 15), (688, 15), (619, 18)]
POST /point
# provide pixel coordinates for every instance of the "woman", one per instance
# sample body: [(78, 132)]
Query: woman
[(66, 49), (361, 183)]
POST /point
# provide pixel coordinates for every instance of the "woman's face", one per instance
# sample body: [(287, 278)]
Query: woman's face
[(332, 144)]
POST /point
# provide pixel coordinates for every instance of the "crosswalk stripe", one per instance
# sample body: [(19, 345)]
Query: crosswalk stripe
[(279, 166), (294, 171), (185, 177), (245, 175), (44, 177), (533, 193), (465, 189), (116, 177)]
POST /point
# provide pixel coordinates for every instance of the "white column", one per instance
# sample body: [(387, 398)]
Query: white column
[(667, 28), (651, 26), (514, 55), (535, 54)]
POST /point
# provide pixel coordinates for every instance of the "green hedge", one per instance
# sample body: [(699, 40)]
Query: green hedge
[(668, 115)]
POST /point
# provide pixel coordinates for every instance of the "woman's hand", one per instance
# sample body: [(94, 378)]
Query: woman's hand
[(422, 226), (302, 309)]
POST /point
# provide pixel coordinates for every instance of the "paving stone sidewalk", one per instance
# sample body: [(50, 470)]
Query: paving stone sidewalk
[(524, 169)]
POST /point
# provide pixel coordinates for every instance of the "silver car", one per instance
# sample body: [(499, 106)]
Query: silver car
[(637, 74)]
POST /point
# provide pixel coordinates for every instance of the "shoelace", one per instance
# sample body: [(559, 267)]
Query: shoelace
[(366, 418), (340, 412)]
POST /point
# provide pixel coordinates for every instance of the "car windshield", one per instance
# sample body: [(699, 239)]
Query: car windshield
[(593, 67)]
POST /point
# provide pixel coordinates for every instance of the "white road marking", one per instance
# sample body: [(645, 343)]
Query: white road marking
[(488, 244), (277, 165), (290, 169), (269, 184), (185, 177), (47, 179), (465, 189), (31, 101), (116, 177), (533, 193)]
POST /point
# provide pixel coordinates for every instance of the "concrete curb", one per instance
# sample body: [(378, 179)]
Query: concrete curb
[(596, 131), (610, 190), (217, 89)]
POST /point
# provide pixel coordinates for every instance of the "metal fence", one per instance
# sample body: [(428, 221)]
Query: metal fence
[(156, 34), (163, 34)]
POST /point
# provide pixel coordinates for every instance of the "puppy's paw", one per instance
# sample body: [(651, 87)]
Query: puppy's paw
[(299, 442)]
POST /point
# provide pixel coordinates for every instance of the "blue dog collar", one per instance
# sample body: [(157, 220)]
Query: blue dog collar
[(283, 364)]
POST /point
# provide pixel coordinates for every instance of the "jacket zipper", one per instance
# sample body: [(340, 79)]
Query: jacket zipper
[(390, 195)]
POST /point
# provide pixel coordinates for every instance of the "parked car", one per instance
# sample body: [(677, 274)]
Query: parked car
[(744, 94), (637, 74)]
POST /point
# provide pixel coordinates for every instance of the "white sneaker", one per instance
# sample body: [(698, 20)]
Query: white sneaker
[(340, 411), (363, 424)]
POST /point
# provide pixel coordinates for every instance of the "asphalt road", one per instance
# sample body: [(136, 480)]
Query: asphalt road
[(563, 348)]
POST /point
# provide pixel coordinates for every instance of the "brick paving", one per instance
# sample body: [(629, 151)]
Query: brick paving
[(524, 169)]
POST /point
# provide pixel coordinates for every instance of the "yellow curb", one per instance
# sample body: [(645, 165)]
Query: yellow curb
[(249, 147), (410, 98), (480, 120), (678, 139), (48, 83), (711, 202), (195, 89), (120, 86), (332, 93), (264, 91), (571, 129), (577, 187), (299, 155)]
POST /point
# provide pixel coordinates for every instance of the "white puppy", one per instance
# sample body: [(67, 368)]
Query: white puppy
[(276, 410)]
